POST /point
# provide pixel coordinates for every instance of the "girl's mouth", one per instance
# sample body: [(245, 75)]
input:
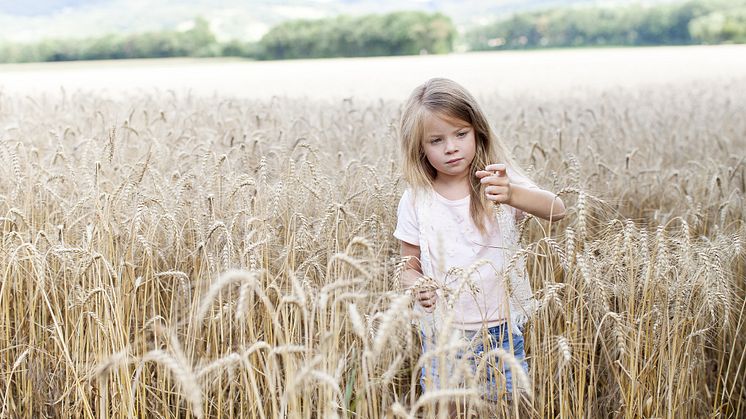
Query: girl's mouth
[(454, 161)]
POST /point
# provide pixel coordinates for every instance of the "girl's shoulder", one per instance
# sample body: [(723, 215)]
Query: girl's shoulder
[(416, 196), (406, 197), (407, 203)]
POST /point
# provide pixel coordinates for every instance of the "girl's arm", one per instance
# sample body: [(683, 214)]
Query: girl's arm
[(413, 272), (536, 201)]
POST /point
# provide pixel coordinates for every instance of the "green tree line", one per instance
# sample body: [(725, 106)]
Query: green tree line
[(404, 33), (198, 41), (691, 22), (396, 33)]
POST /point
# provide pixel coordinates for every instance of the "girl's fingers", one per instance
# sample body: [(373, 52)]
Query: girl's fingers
[(426, 293), (427, 298), (497, 197), (496, 167), (493, 179), (495, 190)]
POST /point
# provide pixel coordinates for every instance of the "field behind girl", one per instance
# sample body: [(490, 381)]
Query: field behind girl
[(174, 255)]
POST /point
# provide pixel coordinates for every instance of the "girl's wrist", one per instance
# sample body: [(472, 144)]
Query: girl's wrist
[(514, 190)]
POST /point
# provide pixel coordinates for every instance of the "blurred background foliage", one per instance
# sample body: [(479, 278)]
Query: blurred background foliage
[(691, 22), (409, 32), (400, 33)]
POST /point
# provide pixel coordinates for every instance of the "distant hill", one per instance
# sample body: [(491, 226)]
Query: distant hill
[(234, 19)]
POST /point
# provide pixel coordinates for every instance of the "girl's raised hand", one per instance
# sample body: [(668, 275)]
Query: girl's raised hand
[(497, 184), (426, 297)]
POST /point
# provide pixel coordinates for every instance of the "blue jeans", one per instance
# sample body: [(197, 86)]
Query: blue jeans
[(473, 348)]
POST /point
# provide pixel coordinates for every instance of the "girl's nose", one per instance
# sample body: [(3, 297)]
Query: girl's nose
[(451, 145)]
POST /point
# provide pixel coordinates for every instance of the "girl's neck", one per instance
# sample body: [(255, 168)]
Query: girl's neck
[(452, 188)]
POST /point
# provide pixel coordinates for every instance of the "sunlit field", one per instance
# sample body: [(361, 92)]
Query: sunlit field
[(168, 254)]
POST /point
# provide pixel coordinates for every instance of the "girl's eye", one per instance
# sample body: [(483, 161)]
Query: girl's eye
[(461, 134), (435, 141)]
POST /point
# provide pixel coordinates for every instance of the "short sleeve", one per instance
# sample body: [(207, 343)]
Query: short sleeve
[(521, 180), (407, 225)]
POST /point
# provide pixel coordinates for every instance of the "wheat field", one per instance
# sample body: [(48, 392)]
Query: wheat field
[(169, 255)]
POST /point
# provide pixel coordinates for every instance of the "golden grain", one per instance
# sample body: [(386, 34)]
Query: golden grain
[(246, 247)]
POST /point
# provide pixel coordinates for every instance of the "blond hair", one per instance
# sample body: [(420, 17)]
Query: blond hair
[(446, 97)]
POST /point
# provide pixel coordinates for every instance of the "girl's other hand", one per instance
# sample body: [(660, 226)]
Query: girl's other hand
[(426, 297), (497, 184)]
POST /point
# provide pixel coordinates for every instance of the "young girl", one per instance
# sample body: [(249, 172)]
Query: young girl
[(457, 243)]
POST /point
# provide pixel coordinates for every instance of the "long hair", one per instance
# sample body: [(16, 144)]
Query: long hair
[(446, 97)]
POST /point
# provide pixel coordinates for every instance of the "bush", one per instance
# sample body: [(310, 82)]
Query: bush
[(718, 27), (198, 41), (401, 33), (711, 21)]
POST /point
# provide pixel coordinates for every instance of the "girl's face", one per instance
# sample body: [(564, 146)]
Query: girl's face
[(449, 145)]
